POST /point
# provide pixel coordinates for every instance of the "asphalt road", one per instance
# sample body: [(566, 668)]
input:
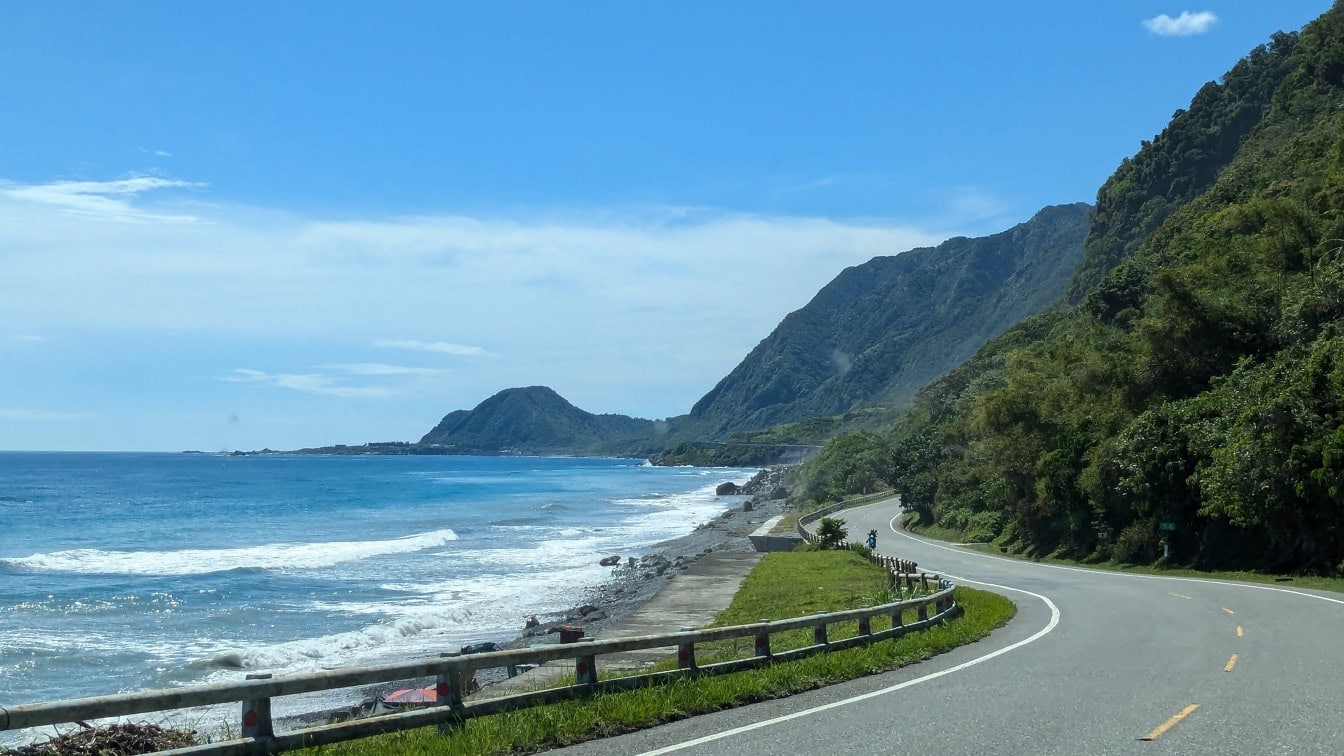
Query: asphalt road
[(1094, 663)]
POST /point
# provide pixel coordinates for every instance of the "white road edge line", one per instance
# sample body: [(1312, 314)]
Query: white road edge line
[(1054, 620), (925, 541)]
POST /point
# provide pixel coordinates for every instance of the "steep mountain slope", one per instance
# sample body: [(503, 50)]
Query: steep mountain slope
[(1181, 162), (880, 330), (1193, 403), (536, 420)]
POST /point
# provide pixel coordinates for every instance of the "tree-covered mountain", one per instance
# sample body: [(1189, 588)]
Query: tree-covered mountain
[(1181, 162), (536, 420), (880, 330), (1195, 397)]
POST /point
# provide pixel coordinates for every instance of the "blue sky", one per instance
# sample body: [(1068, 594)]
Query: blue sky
[(246, 225)]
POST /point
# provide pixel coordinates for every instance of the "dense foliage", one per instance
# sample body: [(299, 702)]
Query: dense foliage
[(1195, 394)]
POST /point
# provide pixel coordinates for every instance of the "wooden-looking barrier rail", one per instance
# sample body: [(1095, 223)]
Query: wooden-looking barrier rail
[(254, 694)]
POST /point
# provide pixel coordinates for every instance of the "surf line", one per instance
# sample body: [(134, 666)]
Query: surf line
[(1050, 626)]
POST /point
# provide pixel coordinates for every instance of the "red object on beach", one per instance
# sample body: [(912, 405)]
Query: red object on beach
[(411, 696)]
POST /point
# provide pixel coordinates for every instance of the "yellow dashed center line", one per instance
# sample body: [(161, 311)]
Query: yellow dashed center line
[(1167, 725), (1229, 611), (1231, 663), (1238, 631)]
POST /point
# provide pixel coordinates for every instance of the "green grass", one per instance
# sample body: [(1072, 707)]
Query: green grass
[(1297, 581), (782, 585)]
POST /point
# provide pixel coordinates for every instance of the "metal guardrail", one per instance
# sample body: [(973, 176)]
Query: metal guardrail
[(858, 501), (259, 736)]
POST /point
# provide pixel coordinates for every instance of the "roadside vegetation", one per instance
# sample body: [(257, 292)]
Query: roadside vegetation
[(1160, 567), (782, 585)]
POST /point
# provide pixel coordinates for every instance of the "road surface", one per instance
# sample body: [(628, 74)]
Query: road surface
[(1094, 663)]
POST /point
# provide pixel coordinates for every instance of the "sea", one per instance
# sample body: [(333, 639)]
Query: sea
[(129, 571)]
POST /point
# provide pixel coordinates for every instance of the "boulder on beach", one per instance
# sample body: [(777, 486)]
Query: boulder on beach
[(531, 622), (587, 612), (610, 561), (726, 489)]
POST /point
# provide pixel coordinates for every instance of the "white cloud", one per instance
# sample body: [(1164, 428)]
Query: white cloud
[(636, 311), (437, 347), (379, 368), (29, 338), (1184, 25), (308, 383), (105, 200)]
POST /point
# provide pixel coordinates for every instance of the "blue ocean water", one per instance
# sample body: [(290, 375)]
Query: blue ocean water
[(123, 571)]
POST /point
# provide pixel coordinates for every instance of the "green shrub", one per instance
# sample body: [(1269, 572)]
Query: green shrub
[(830, 532)]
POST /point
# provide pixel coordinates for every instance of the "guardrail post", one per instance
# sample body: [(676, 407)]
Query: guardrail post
[(896, 618), (865, 626), (763, 641), (585, 666), (923, 611), (819, 633), (449, 685), (257, 713), (686, 652)]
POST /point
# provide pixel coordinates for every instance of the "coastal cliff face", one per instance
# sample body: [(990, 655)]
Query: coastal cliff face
[(874, 335), (881, 330)]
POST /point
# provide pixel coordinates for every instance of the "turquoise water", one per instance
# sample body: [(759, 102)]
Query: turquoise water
[(122, 572)]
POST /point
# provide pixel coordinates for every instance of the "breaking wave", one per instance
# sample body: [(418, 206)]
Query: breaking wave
[(274, 556)]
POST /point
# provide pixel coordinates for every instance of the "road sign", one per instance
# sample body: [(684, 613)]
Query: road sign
[(1166, 526)]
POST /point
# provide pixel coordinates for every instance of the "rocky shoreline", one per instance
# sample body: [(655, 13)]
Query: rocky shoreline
[(634, 581)]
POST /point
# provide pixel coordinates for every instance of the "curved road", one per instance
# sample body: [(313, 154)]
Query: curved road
[(1094, 663)]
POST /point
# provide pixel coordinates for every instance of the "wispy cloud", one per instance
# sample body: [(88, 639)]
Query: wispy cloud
[(308, 383), (436, 347), (29, 338), (635, 310), (105, 200), (42, 416), (156, 153), (379, 368), (1185, 25)]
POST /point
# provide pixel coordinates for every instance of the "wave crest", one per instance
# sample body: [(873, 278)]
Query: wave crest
[(274, 556)]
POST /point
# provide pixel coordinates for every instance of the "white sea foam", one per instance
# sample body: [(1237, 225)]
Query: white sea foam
[(447, 615), (274, 556)]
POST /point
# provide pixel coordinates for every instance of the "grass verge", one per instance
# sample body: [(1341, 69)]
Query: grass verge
[(1297, 581), (782, 585)]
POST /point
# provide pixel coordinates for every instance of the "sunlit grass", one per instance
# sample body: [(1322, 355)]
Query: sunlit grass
[(783, 585)]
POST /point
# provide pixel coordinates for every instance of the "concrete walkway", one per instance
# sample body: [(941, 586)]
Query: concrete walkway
[(691, 599)]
